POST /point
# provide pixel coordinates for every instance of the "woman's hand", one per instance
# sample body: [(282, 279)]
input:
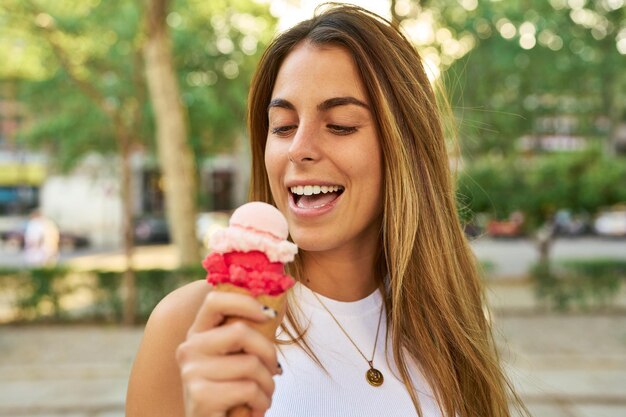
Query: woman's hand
[(224, 363)]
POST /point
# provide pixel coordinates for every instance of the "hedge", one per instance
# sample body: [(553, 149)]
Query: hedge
[(582, 284), (60, 295)]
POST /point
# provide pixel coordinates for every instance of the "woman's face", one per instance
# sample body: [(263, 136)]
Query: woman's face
[(323, 155)]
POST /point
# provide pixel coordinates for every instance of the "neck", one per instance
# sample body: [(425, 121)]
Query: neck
[(340, 276)]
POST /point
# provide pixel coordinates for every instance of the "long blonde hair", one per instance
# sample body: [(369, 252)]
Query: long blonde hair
[(435, 294)]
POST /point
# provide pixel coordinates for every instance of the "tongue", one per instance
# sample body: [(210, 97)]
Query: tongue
[(316, 200)]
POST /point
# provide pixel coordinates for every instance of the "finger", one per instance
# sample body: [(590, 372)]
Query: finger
[(230, 368), (209, 396), (230, 338), (252, 395), (219, 305)]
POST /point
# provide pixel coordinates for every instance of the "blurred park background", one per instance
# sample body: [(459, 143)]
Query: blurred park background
[(123, 124)]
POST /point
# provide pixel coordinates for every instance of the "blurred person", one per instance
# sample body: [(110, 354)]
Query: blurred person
[(41, 240), (387, 316)]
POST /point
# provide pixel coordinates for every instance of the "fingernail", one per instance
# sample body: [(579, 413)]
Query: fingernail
[(269, 312), (279, 370)]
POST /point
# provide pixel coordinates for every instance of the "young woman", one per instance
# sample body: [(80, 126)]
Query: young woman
[(387, 317)]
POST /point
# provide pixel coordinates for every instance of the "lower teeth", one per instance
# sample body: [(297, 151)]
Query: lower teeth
[(310, 207), (313, 207)]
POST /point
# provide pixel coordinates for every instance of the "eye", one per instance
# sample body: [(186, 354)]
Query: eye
[(283, 131), (341, 130)]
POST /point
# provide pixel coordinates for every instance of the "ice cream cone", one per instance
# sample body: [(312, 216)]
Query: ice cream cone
[(267, 329), (278, 303), (248, 257)]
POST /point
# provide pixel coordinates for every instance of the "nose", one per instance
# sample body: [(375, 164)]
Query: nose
[(304, 147)]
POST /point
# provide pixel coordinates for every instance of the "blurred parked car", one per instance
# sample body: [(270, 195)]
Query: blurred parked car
[(611, 222), (67, 240), (155, 229), (569, 224), (151, 230), (512, 227)]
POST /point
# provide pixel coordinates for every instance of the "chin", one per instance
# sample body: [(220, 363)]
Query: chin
[(312, 242)]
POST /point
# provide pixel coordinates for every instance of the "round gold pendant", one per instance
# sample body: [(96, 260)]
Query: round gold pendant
[(374, 377)]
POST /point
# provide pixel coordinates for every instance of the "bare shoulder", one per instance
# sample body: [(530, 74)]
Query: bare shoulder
[(155, 387), (179, 307)]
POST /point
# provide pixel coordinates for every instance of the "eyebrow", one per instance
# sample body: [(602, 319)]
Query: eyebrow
[(323, 106)]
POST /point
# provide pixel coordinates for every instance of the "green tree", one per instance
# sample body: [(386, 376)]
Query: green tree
[(97, 69), (518, 71), (525, 67), (216, 47), (539, 68), (81, 77), (582, 182)]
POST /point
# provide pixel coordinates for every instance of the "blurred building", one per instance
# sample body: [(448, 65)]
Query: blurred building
[(564, 133), (87, 200)]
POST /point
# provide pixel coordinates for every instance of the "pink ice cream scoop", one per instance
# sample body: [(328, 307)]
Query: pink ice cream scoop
[(252, 251)]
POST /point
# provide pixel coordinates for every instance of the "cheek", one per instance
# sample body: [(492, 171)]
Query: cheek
[(372, 169), (274, 164), (368, 162), (272, 158)]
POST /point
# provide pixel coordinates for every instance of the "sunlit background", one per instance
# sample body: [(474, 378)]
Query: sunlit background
[(537, 92)]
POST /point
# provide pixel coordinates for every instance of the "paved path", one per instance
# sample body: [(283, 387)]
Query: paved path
[(570, 366), (563, 366), (65, 370)]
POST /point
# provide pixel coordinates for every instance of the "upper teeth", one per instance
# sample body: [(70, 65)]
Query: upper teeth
[(314, 189)]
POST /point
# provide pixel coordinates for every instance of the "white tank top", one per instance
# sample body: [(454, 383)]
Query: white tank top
[(306, 390)]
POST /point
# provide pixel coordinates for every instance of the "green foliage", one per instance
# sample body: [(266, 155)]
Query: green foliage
[(581, 182), (216, 47), (491, 185), (579, 284), (70, 130), (558, 71), (603, 183), (93, 70), (47, 294), (108, 303), (37, 290), (152, 286)]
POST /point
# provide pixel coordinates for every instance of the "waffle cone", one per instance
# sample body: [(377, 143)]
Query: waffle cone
[(277, 302), (267, 329)]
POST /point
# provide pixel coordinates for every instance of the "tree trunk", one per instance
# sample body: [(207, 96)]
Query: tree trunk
[(129, 290), (175, 156), (544, 239)]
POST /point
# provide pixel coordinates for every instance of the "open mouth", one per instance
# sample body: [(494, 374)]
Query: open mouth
[(315, 196)]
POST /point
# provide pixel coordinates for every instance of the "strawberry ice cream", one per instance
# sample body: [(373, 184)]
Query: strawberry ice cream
[(252, 251)]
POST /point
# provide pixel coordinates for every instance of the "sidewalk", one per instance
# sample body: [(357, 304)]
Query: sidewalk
[(563, 366), (566, 365), (74, 371)]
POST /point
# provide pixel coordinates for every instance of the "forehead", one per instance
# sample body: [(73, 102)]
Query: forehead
[(318, 72)]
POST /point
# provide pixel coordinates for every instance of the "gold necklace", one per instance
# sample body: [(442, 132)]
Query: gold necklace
[(373, 375)]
